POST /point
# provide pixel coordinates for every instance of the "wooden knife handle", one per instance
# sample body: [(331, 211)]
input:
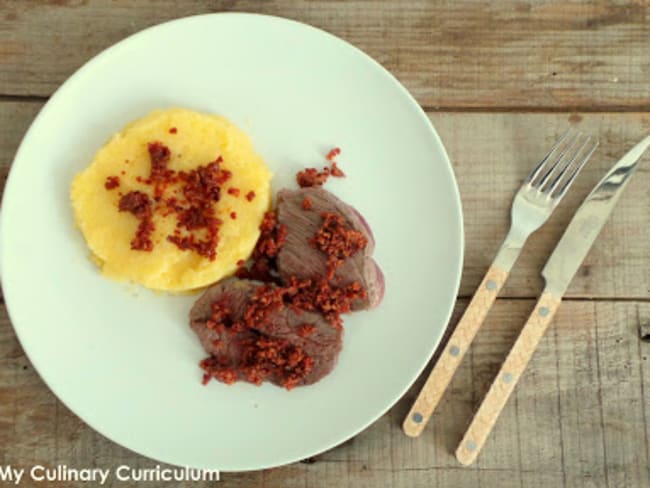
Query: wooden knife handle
[(456, 347), (505, 382)]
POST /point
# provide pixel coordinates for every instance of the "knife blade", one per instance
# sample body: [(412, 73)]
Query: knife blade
[(588, 221)]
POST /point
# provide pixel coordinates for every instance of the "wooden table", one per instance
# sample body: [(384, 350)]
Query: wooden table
[(499, 81)]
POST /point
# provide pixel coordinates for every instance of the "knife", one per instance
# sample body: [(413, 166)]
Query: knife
[(558, 272)]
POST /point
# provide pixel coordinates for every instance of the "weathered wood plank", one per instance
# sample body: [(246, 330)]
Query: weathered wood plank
[(509, 53), (15, 118), (617, 349), (491, 154), (551, 433), (579, 394)]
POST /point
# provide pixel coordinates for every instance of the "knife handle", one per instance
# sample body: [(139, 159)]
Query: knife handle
[(506, 380), (452, 356)]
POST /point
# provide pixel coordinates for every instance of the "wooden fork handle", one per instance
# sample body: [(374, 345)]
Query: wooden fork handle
[(505, 382), (451, 357)]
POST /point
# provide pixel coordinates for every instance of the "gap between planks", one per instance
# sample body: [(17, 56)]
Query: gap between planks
[(585, 109)]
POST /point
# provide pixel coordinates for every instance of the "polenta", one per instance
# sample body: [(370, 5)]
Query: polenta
[(174, 201)]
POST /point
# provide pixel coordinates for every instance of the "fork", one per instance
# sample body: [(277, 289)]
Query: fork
[(535, 201)]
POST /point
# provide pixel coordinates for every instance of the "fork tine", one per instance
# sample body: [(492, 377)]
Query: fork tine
[(559, 163), (572, 178), (538, 169), (567, 168)]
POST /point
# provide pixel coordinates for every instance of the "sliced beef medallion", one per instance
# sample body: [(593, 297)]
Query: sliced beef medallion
[(218, 337), (309, 214), (252, 335)]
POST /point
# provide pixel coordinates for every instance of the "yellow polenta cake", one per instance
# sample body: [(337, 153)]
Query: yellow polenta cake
[(174, 201)]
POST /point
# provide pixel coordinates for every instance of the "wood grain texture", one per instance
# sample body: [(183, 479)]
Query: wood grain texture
[(454, 351), (491, 154), (15, 118), (552, 431), (507, 54), (505, 381)]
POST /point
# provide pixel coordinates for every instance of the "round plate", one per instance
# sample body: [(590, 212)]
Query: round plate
[(123, 358)]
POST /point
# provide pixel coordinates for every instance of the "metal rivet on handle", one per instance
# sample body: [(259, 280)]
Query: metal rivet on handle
[(491, 285), (507, 377), (454, 350), (543, 311), (417, 417), (471, 445)]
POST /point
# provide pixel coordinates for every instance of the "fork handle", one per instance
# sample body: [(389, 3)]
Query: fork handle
[(443, 371), (506, 380)]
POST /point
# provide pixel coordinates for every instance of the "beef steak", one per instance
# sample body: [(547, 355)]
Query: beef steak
[(298, 258), (307, 331)]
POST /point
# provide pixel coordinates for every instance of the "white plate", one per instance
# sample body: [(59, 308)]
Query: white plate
[(123, 358)]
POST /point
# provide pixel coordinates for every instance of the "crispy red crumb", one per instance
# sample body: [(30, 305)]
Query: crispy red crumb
[(227, 376), (311, 177), (204, 247), (337, 240), (263, 358), (233, 215), (305, 330), (241, 262), (269, 356), (268, 246), (233, 191), (336, 171), (333, 153), (159, 155), (266, 300), (200, 187), (213, 369), (259, 270), (160, 175), (220, 311), (322, 297), (142, 240), (112, 182), (138, 204), (250, 195), (173, 130), (306, 203)]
